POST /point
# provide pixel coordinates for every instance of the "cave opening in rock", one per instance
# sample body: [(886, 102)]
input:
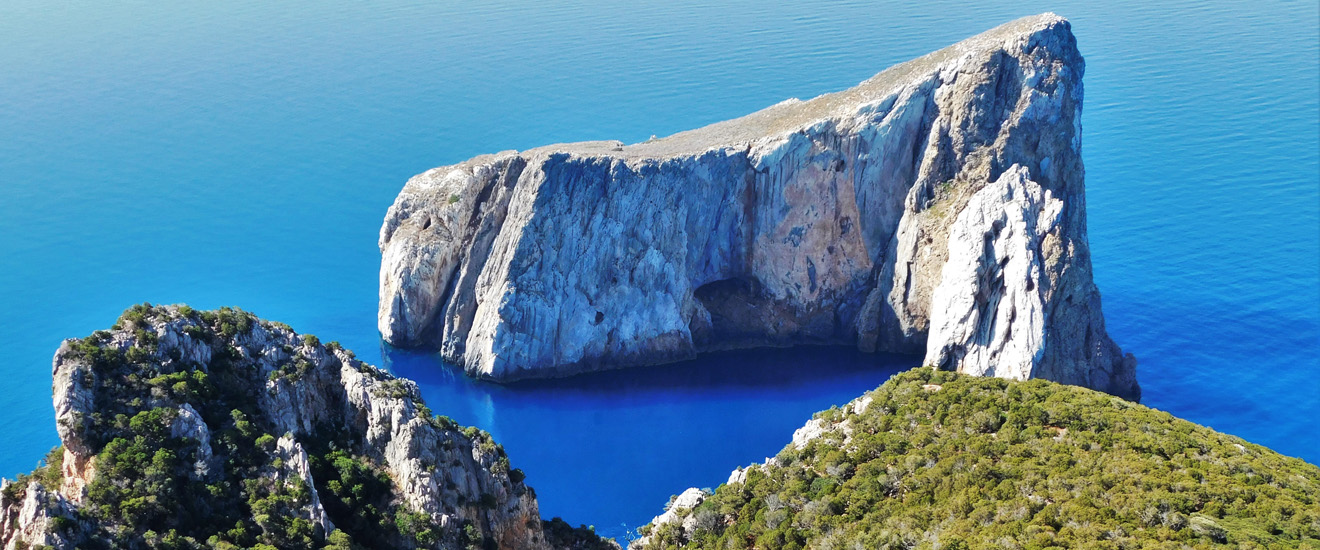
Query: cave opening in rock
[(738, 312)]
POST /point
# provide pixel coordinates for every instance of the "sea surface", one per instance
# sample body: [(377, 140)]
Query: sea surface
[(244, 153)]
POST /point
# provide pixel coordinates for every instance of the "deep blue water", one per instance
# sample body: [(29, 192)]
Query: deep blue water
[(241, 153), (607, 449)]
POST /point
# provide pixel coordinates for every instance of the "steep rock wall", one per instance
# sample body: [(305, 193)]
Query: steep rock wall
[(935, 208)]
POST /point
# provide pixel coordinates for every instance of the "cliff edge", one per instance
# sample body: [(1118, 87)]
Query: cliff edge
[(936, 208)]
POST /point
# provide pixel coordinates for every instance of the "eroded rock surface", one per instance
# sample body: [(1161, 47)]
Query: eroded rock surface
[(935, 208), (181, 426)]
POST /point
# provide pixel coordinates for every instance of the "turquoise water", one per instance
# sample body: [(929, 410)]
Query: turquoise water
[(244, 154)]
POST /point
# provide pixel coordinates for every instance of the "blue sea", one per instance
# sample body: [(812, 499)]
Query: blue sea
[(244, 153)]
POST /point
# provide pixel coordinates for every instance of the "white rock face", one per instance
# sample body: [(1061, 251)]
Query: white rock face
[(676, 512), (738, 475), (31, 521), (296, 466), (811, 430), (189, 424), (988, 282), (843, 219)]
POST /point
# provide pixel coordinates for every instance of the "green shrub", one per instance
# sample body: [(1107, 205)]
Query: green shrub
[(51, 470), (560, 534), (266, 442), (417, 526)]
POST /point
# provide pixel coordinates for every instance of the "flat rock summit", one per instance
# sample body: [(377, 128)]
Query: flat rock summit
[(938, 207)]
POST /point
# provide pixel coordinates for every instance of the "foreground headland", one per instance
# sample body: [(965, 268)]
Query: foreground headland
[(216, 429), (186, 429), (936, 208)]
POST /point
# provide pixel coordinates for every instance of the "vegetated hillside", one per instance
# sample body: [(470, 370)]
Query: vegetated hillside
[(215, 429), (934, 459)]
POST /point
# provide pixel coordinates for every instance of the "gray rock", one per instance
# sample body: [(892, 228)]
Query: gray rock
[(677, 512), (297, 467), (811, 430), (35, 519), (189, 424), (738, 475), (841, 220)]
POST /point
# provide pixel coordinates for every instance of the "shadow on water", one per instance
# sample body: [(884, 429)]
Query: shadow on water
[(609, 448)]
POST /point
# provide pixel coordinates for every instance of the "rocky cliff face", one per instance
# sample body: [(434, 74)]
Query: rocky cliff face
[(935, 208), (189, 429)]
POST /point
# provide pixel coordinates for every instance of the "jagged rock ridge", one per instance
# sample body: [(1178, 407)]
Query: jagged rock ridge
[(186, 429), (936, 208)]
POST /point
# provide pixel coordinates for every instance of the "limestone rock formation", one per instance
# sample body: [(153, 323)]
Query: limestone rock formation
[(678, 512), (936, 208), (34, 519), (179, 426)]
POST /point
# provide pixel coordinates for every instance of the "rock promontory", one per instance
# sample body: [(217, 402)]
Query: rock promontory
[(215, 429), (937, 208)]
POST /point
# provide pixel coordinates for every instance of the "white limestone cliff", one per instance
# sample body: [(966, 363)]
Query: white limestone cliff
[(937, 208)]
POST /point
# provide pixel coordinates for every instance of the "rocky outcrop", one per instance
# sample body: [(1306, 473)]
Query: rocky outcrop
[(936, 208), (37, 517), (677, 515), (242, 429)]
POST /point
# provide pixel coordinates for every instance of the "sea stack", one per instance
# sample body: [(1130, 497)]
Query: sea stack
[(937, 208)]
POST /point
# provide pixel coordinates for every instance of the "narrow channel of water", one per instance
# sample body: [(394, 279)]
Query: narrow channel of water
[(609, 448)]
